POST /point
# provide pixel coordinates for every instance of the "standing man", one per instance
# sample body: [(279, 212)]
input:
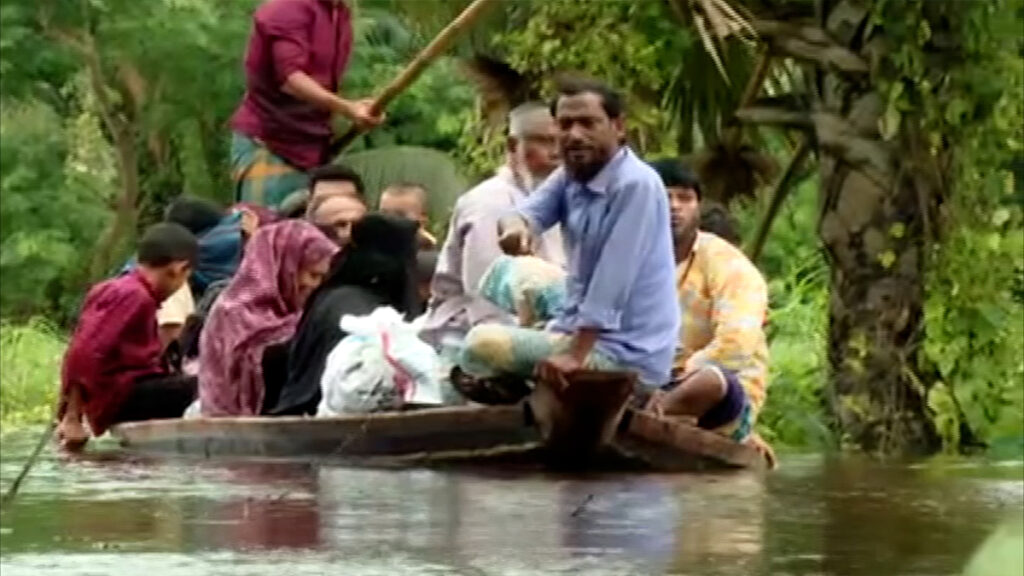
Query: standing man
[(472, 246), (297, 54), (621, 310)]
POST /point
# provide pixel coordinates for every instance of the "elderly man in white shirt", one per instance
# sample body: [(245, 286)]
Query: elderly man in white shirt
[(472, 243)]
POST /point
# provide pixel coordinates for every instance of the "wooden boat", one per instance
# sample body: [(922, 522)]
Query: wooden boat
[(585, 422)]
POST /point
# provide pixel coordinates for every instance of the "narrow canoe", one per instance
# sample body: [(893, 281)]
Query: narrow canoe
[(586, 424)]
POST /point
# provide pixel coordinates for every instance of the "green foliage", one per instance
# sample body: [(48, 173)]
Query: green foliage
[(30, 357), (171, 70), (975, 325), (436, 171), (1001, 553), (797, 329), (55, 195), (637, 44), (968, 105), (425, 113), (676, 97)]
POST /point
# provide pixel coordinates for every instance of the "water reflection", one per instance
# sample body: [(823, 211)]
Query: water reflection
[(844, 517), (285, 513)]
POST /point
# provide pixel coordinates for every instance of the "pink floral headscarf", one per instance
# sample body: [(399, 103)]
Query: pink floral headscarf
[(257, 309)]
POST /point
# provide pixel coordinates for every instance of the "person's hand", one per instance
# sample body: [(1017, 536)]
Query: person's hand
[(362, 114), (559, 365), (250, 221), (514, 237)]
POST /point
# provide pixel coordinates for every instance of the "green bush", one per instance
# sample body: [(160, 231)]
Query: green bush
[(30, 360), (53, 209), (794, 414)]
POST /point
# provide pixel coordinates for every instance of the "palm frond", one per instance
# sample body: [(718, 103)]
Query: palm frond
[(729, 170), (715, 21), (500, 86), (435, 170)]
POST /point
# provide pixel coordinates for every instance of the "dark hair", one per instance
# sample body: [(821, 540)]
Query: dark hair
[(336, 173), (403, 188), (381, 258), (426, 263), (314, 203), (196, 214), (611, 100), (168, 242), (717, 220), (675, 174)]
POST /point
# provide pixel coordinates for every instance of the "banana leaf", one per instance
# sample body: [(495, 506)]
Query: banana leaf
[(435, 170)]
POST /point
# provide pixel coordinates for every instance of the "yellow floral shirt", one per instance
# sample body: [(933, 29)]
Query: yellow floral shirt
[(724, 303)]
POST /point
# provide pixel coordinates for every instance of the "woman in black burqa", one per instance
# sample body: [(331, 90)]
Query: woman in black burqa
[(377, 269)]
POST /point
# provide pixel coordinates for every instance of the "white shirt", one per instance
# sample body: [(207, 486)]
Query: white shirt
[(469, 250)]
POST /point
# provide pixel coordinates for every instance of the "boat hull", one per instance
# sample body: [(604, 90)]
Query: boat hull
[(441, 436)]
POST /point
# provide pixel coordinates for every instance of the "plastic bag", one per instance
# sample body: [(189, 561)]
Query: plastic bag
[(380, 365), (194, 410)]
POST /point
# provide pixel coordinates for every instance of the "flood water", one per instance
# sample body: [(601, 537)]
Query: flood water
[(114, 513)]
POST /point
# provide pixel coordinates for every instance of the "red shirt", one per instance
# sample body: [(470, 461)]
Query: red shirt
[(311, 36), (114, 344)]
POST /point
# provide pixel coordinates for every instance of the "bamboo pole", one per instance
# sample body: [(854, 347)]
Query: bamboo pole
[(437, 46), (782, 188), (40, 444)]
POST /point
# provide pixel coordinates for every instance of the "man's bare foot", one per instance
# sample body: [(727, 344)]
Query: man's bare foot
[(72, 435), (655, 403), (765, 449)]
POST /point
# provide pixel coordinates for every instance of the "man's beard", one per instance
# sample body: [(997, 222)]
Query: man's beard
[(586, 172)]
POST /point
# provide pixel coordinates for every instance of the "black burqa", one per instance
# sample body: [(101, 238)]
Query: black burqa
[(377, 269)]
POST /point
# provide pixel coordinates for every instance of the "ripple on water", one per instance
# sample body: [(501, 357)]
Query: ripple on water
[(114, 513)]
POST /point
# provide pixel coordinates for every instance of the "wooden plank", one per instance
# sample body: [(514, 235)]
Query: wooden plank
[(389, 433), (578, 415), (670, 445), (434, 436)]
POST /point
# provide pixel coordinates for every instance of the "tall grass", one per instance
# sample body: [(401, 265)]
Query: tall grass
[(794, 414), (30, 357)]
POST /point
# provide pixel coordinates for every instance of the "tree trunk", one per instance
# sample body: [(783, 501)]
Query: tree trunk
[(126, 210), (874, 229), (122, 131), (873, 233)]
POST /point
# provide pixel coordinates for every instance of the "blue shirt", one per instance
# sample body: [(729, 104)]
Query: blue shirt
[(220, 253), (621, 263)]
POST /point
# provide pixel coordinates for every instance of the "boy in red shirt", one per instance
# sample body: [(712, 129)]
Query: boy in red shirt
[(114, 370)]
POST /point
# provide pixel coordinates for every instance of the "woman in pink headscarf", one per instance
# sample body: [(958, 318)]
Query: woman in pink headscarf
[(283, 263)]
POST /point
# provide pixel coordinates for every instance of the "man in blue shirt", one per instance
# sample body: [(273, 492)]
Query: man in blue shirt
[(621, 309)]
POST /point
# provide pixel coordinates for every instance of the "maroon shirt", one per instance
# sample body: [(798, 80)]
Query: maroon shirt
[(311, 36), (114, 344)]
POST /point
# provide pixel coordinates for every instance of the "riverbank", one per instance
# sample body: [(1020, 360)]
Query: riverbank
[(30, 359)]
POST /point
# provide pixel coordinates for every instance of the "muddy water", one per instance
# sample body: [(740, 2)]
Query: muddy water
[(112, 513)]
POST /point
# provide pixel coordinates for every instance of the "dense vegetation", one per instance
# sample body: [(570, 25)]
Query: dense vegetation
[(885, 135)]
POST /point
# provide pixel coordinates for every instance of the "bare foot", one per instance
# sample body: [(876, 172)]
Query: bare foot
[(72, 435), (765, 449), (654, 404)]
